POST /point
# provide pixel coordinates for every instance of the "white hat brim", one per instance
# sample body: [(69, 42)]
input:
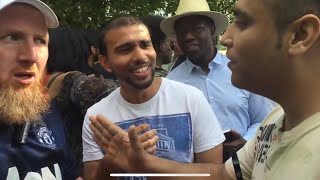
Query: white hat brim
[(220, 21), (50, 16)]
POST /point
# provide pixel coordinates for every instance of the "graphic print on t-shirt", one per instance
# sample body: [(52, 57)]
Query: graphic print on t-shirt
[(265, 138), (174, 132), (35, 159)]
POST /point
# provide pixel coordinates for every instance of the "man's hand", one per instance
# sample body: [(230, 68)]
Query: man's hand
[(127, 155), (104, 129)]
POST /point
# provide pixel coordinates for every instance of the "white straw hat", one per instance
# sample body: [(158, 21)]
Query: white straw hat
[(194, 7), (51, 18)]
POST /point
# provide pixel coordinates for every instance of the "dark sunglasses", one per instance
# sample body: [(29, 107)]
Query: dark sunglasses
[(197, 29)]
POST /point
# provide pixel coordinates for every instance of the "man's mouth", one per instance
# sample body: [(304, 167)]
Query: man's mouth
[(24, 75), (25, 78), (141, 70), (191, 46)]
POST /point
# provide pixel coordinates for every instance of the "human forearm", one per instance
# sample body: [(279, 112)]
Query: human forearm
[(133, 158), (154, 164), (97, 170), (108, 168)]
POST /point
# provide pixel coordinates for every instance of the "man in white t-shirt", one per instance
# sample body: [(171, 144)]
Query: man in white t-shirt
[(273, 47), (187, 128)]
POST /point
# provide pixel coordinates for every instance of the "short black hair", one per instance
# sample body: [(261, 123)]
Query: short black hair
[(153, 24), (285, 12), (68, 51), (91, 36), (113, 24)]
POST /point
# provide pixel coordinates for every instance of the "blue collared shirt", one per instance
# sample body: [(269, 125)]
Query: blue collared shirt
[(235, 108)]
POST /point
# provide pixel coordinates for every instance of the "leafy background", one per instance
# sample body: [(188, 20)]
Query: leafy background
[(94, 13)]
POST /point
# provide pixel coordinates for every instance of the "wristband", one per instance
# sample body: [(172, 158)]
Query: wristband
[(236, 165)]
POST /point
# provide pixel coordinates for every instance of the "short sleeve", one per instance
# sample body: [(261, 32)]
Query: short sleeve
[(91, 150), (207, 131)]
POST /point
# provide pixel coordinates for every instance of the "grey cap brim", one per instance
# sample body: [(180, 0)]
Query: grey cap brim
[(50, 16)]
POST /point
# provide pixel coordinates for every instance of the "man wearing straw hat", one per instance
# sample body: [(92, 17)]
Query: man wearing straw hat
[(196, 28)]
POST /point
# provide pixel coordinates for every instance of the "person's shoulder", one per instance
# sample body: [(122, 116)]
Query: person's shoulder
[(111, 98), (174, 83), (275, 116), (53, 113), (178, 71), (180, 87)]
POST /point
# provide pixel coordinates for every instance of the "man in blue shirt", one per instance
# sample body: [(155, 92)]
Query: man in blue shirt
[(32, 135), (206, 68)]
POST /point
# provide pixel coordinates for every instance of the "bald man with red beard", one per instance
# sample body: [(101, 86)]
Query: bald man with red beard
[(32, 136)]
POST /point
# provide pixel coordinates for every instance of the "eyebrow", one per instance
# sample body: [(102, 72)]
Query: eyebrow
[(239, 13), (123, 45), (18, 31), (131, 43)]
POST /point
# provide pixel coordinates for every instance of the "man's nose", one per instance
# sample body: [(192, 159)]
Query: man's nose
[(226, 39), (139, 54), (189, 35), (28, 52)]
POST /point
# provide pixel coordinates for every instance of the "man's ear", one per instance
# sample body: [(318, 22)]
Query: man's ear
[(105, 63), (161, 48), (305, 32)]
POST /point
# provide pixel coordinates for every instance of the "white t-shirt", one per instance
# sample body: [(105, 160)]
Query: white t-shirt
[(273, 154), (184, 121)]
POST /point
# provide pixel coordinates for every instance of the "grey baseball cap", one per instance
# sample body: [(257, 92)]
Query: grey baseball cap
[(50, 16)]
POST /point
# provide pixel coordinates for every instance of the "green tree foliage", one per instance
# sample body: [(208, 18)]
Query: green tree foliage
[(94, 13)]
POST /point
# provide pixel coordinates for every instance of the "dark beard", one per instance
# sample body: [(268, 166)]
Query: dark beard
[(24, 104), (141, 86)]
